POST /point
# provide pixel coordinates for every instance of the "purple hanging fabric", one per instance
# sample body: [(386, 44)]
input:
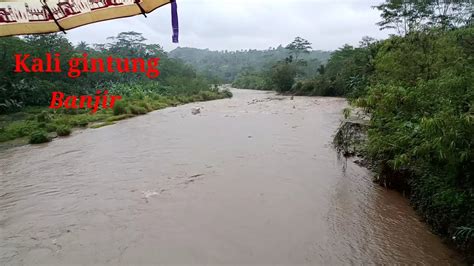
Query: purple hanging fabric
[(174, 21)]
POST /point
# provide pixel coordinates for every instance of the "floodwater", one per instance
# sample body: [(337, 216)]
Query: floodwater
[(249, 180)]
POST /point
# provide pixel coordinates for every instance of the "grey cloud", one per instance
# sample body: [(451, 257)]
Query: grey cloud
[(248, 24)]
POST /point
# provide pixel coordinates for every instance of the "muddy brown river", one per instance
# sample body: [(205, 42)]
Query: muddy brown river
[(250, 180)]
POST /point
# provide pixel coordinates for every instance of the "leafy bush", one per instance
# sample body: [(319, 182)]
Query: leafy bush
[(207, 95), (227, 93), (38, 137), (63, 130), (251, 81), (120, 108), (20, 129), (146, 104), (81, 122), (138, 110), (283, 76), (44, 116), (10, 105), (50, 127)]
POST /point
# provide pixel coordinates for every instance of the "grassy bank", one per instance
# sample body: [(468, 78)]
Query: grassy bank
[(40, 124)]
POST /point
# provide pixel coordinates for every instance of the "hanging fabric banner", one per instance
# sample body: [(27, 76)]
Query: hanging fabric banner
[(46, 16)]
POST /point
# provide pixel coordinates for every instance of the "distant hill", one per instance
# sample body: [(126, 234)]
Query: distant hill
[(226, 65)]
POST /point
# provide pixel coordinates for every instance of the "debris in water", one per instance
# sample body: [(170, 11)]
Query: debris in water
[(268, 99), (196, 111), (192, 178), (148, 194)]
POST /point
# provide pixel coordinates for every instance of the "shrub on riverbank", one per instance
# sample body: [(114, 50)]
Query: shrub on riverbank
[(38, 137), (251, 81), (63, 130), (120, 108), (226, 93)]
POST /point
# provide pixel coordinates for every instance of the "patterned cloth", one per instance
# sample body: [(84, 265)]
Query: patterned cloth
[(44, 16)]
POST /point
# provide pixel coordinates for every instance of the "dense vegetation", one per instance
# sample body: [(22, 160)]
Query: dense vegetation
[(421, 100), (24, 97), (225, 66), (420, 95), (418, 88)]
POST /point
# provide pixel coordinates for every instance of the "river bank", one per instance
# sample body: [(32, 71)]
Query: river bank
[(41, 124), (249, 180), (351, 141)]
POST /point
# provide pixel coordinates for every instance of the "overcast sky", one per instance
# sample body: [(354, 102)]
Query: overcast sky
[(248, 24)]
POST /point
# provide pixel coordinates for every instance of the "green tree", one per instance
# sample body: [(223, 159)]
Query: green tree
[(410, 15), (283, 76), (299, 46), (82, 47), (128, 43)]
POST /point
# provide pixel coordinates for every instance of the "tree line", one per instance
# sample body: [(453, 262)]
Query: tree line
[(226, 66)]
